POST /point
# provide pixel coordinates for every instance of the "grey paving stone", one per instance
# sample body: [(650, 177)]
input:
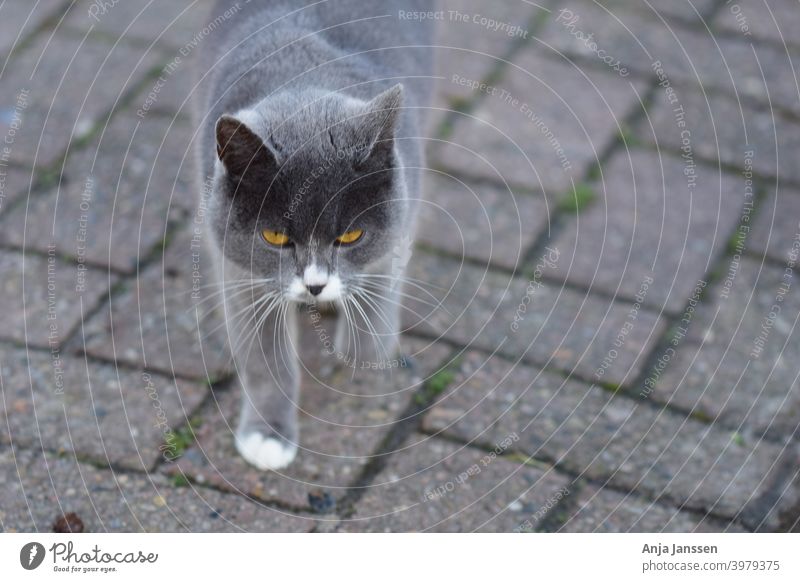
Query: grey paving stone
[(15, 183), (681, 9), (71, 85), (470, 49), (110, 207), (604, 510), (738, 363), (44, 298), (342, 422), (652, 233), (170, 93), (720, 130), (471, 45), (480, 221), (434, 485), (172, 24), (38, 488), (691, 55), (775, 21), (545, 124), (18, 20), (777, 225), (546, 324), (63, 403), (600, 436), (168, 319)]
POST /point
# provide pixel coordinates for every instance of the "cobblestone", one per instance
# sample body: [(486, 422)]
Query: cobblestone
[(349, 419), (684, 10), (480, 222), (690, 55), (544, 323), (737, 365), (169, 319), (777, 226), (434, 485), (752, 19), (109, 208), (544, 144), (172, 24), (59, 78), (555, 389), (20, 19), (469, 55), (721, 130), (594, 434), (120, 417), (44, 298), (38, 488), (604, 510), (652, 234), (15, 184)]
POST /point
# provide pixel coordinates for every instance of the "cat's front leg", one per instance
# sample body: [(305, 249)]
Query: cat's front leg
[(267, 432)]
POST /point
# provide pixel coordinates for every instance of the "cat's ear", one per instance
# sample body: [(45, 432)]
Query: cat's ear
[(240, 149), (380, 122)]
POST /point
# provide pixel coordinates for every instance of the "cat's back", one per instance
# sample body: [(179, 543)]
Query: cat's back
[(280, 43), (252, 50), (350, 24)]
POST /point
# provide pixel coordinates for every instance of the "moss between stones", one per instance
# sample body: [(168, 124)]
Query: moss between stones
[(180, 439), (578, 199), (436, 384)]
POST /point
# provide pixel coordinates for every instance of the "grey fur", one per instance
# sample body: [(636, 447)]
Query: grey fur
[(311, 117)]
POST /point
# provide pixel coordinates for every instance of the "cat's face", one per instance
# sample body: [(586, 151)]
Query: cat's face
[(308, 196)]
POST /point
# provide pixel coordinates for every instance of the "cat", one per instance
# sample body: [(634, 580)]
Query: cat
[(310, 118)]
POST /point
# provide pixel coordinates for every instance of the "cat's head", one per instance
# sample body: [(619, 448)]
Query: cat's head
[(308, 195)]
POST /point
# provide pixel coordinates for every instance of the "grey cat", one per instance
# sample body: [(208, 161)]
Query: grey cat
[(310, 116)]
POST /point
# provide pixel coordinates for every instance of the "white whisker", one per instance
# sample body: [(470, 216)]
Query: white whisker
[(403, 305)]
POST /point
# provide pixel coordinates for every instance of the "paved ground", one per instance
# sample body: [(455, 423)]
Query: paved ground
[(611, 247)]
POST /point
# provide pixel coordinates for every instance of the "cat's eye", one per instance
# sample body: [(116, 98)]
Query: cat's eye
[(350, 237), (275, 237)]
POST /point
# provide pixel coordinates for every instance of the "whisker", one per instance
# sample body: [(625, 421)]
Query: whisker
[(374, 305), (399, 278), (243, 311), (402, 305), (356, 345), (376, 341), (396, 288), (230, 284), (233, 294), (255, 331), (235, 288), (376, 287), (265, 304)]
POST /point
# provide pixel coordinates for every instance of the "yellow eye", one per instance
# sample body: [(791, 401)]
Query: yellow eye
[(350, 237), (274, 237)]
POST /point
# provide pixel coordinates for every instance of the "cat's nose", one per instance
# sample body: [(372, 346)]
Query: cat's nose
[(315, 279)]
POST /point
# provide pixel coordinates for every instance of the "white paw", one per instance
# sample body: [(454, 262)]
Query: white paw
[(265, 452)]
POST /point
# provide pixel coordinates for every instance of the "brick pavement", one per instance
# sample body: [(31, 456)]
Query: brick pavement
[(606, 338)]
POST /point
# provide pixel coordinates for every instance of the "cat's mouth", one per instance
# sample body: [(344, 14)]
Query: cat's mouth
[(329, 290)]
